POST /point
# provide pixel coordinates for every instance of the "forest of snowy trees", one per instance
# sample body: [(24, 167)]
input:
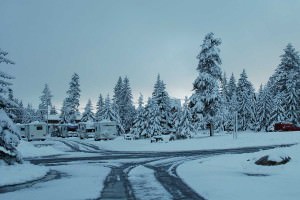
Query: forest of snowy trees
[(216, 103)]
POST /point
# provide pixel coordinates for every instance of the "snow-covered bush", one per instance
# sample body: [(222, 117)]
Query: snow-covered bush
[(9, 140)]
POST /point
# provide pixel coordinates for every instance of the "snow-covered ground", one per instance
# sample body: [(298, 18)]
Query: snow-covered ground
[(237, 177), (82, 181), (224, 141), (20, 173), (38, 149), (208, 176)]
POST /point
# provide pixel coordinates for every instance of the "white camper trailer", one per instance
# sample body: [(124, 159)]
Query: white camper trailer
[(36, 131), (21, 128), (86, 129), (105, 130)]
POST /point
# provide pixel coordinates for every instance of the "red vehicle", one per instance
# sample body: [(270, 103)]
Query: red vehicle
[(286, 127)]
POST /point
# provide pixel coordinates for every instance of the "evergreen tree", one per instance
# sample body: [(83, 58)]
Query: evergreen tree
[(161, 98), (127, 110), (203, 101), (264, 109), (186, 127), (9, 135), (286, 83), (246, 103), (88, 114), (154, 126), (53, 111), (138, 124), (45, 103), (71, 103), (109, 113), (140, 102), (100, 105), (5, 101), (117, 97)]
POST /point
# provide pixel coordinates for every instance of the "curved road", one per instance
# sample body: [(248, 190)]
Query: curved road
[(117, 184)]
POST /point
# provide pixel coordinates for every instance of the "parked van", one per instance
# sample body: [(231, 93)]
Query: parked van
[(105, 130), (86, 129), (36, 131)]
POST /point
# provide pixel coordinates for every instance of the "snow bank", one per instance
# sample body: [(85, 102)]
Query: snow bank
[(27, 149), (81, 181), (237, 177), (20, 173)]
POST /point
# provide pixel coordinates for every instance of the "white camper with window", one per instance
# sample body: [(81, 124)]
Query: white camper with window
[(21, 128), (86, 129), (105, 130), (36, 131)]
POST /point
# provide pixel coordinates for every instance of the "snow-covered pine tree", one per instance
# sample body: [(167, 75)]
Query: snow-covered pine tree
[(138, 123), (9, 134), (154, 126), (185, 127), (286, 83), (5, 78), (88, 114), (53, 111), (264, 106), (117, 118), (29, 115), (277, 112), (109, 113), (140, 102), (117, 96), (223, 115), (203, 101), (71, 103), (99, 107), (127, 110), (232, 102), (246, 103), (64, 112), (45, 102), (162, 99)]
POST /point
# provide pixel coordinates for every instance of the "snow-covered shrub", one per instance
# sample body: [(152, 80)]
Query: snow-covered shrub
[(9, 140)]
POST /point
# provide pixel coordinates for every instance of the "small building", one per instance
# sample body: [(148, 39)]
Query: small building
[(68, 130), (106, 130), (53, 119)]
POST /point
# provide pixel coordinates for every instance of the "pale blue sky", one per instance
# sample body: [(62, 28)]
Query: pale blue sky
[(101, 40)]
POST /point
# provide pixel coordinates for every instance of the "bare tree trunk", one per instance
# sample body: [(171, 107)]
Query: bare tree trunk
[(211, 129)]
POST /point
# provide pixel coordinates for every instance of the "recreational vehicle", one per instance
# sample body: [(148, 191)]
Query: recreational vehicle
[(36, 131), (86, 129), (21, 128), (105, 130)]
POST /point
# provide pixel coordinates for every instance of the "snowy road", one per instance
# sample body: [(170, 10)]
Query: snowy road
[(115, 175)]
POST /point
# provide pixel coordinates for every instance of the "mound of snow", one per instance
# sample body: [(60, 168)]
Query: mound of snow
[(20, 173)]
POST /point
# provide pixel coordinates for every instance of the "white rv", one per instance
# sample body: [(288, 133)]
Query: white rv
[(21, 128), (36, 131), (105, 130), (86, 129)]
